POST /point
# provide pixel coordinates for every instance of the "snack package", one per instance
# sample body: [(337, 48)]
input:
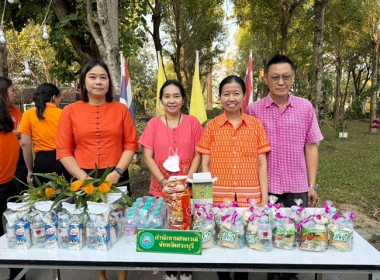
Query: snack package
[(313, 233), (98, 229), (284, 232), (177, 197), (272, 208), (204, 222), (17, 226), (341, 232), (231, 233)]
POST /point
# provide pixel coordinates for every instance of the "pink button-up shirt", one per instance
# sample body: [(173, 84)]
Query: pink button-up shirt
[(289, 129)]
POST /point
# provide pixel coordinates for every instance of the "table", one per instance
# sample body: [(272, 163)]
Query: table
[(364, 259)]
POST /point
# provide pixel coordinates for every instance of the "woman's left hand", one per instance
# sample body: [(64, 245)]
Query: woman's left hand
[(114, 177)]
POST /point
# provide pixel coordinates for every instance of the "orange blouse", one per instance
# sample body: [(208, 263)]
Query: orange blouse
[(16, 116), (96, 134), (42, 132), (9, 151)]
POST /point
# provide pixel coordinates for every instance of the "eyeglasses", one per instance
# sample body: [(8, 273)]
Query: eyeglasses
[(286, 78)]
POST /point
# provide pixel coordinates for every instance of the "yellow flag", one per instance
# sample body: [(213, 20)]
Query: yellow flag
[(160, 81), (197, 104)]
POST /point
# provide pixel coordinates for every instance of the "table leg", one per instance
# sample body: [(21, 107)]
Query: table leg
[(318, 276), (21, 274), (56, 274)]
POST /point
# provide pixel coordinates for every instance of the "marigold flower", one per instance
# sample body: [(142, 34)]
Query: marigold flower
[(75, 186), (49, 192), (89, 189), (104, 187), (108, 182)]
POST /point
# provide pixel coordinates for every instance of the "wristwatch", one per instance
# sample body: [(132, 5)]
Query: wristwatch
[(315, 187), (119, 170)]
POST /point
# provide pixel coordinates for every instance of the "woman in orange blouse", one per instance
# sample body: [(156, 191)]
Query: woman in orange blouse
[(9, 96), (38, 130), (96, 130)]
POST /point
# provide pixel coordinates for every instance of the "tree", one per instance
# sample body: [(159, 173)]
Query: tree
[(319, 10)]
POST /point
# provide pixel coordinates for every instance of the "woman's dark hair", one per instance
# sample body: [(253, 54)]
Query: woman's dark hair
[(232, 79), (44, 94), (6, 123), (5, 83), (172, 82), (82, 79)]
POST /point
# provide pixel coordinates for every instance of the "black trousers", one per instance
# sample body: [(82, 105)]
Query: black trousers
[(287, 199), (7, 190), (21, 173), (46, 162), (237, 276)]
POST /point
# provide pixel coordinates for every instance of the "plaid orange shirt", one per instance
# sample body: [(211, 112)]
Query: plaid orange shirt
[(234, 157)]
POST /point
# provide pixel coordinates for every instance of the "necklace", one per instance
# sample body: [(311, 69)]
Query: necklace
[(179, 120)]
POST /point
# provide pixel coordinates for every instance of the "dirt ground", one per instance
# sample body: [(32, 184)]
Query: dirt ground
[(368, 227)]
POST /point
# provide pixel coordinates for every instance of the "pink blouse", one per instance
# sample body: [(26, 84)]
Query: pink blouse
[(157, 137)]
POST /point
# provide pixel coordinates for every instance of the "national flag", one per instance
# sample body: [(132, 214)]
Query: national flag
[(197, 104), (160, 81), (248, 85), (126, 88)]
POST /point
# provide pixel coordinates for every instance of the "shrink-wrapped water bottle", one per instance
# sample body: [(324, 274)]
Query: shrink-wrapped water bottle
[(38, 229), (130, 228), (155, 221), (91, 234), (264, 230), (63, 230), (142, 221), (11, 236)]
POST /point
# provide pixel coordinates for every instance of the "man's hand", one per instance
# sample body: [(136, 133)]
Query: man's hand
[(313, 197)]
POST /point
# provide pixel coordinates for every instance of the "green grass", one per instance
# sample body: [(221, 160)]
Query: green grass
[(349, 169)]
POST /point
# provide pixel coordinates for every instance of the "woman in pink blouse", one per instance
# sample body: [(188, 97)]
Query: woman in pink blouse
[(169, 135)]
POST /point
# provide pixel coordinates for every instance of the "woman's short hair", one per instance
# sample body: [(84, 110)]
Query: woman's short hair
[(232, 79), (172, 82)]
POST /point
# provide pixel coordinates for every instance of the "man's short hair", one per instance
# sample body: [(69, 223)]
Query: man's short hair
[(279, 58)]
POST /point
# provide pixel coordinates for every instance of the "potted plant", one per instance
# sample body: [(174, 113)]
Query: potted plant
[(342, 127)]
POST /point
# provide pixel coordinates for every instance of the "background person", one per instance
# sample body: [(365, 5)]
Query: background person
[(172, 135), (233, 148), (293, 133), (38, 130), (97, 130), (9, 96)]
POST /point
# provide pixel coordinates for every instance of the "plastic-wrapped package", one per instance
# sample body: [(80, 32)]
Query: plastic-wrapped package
[(17, 225), (177, 197), (76, 231), (44, 221), (313, 233), (284, 232), (341, 232), (231, 232), (204, 222), (98, 223)]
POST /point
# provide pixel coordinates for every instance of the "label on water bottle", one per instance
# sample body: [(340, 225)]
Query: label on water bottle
[(39, 231), (51, 236), (130, 231), (63, 231), (22, 235), (75, 236)]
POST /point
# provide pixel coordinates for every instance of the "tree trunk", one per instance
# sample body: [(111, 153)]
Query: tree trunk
[(4, 60), (176, 57), (209, 87), (156, 19), (320, 6), (338, 66), (374, 80), (108, 40)]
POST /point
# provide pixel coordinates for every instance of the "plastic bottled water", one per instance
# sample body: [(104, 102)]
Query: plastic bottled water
[(155, 221), (38, 230), (265, 233), (11, 236), (76, 238), (63, 230), (91, 235), (130, 228), (142, 221)]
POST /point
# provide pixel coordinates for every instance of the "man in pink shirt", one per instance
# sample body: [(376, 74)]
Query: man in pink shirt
[(293, 133)]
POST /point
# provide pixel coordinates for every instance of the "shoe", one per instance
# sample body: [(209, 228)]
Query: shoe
[(185, 276), (170, 277)]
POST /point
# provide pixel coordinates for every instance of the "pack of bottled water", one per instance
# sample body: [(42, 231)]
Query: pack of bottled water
[(17, 226), (145, 213), (71, 234)]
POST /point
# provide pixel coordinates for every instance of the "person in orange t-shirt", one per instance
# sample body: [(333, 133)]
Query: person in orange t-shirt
[(97, 130), (38, 130)]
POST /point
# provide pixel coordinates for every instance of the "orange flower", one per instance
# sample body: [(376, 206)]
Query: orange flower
[(104, 187), (108, 182), (40, 192), (89, 189), (49, 192), (75, 186)]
